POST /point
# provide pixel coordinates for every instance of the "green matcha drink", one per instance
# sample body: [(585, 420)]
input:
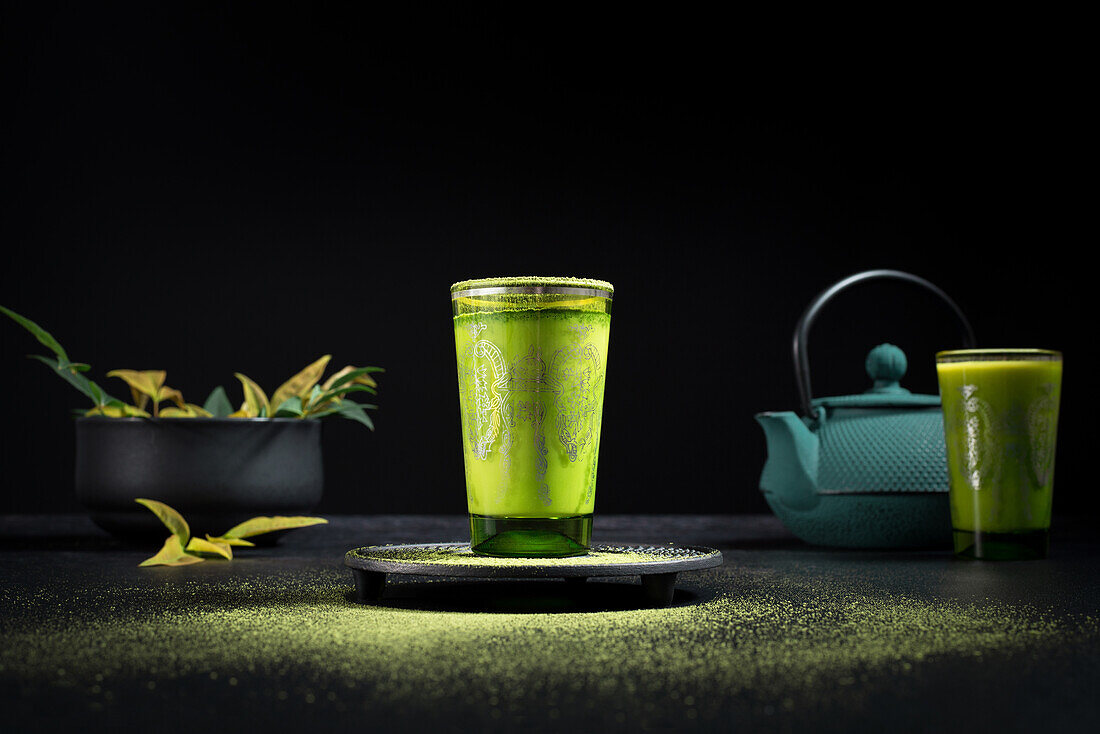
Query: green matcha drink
[(532, 356), (1000, 423)]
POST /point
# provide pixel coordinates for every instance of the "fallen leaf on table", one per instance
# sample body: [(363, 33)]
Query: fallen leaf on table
[(231, 541), (172, 554), (261, 525), (171, 519), (198, 545)]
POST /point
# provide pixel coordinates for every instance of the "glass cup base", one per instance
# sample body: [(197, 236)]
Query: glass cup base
[(530, 537), (1022, 545)]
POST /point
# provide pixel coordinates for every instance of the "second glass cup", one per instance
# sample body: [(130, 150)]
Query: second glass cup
[(532, 358), (1000, 409)]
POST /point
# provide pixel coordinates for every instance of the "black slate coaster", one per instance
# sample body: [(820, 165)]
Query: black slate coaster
[(656, 565)]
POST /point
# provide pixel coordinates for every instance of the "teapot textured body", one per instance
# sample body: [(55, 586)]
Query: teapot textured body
[(866, 470)]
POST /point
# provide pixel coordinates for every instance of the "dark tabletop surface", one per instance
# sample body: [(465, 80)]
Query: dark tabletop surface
[(781, 637)]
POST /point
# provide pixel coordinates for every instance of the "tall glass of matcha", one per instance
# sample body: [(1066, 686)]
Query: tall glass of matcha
[(532, 356), (1000, 410)]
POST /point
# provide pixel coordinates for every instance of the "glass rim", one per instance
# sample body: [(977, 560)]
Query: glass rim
[(998, 355), (532, 285)]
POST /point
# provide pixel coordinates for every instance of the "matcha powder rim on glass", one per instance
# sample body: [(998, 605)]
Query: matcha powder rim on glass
[(533, 281)]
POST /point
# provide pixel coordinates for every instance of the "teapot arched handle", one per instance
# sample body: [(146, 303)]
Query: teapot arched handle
[(802, 329)]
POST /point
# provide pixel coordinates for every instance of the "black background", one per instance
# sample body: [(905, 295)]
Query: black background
[(210, 189)]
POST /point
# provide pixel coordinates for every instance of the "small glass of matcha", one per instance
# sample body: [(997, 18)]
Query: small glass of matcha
[(532, 356), (1000, 419)]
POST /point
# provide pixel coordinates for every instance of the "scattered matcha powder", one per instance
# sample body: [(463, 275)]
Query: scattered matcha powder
[(790, 642)]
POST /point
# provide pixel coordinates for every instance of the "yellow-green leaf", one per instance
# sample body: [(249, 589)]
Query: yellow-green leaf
[(119, 411), (231, 541), (189, 410), (261, 525), (168, 393), (171, 554), (140, 399), (171, 519), (301, 383), (242, 413), (363, 379), (254, 397), (198, 545), (143, 382)]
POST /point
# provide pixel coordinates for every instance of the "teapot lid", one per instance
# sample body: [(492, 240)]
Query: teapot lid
[(886, 365)]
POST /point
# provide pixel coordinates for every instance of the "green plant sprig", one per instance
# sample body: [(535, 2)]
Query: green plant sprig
[(180, 549), (299, 397), (70, 372), (302, 397)]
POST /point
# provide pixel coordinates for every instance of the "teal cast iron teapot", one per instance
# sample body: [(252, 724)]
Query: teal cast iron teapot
[(867, 470)]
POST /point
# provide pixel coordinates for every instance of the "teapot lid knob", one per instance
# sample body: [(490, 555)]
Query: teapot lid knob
[(886, 365)]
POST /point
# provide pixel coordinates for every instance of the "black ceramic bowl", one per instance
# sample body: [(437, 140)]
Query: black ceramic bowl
[(216, 471)]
